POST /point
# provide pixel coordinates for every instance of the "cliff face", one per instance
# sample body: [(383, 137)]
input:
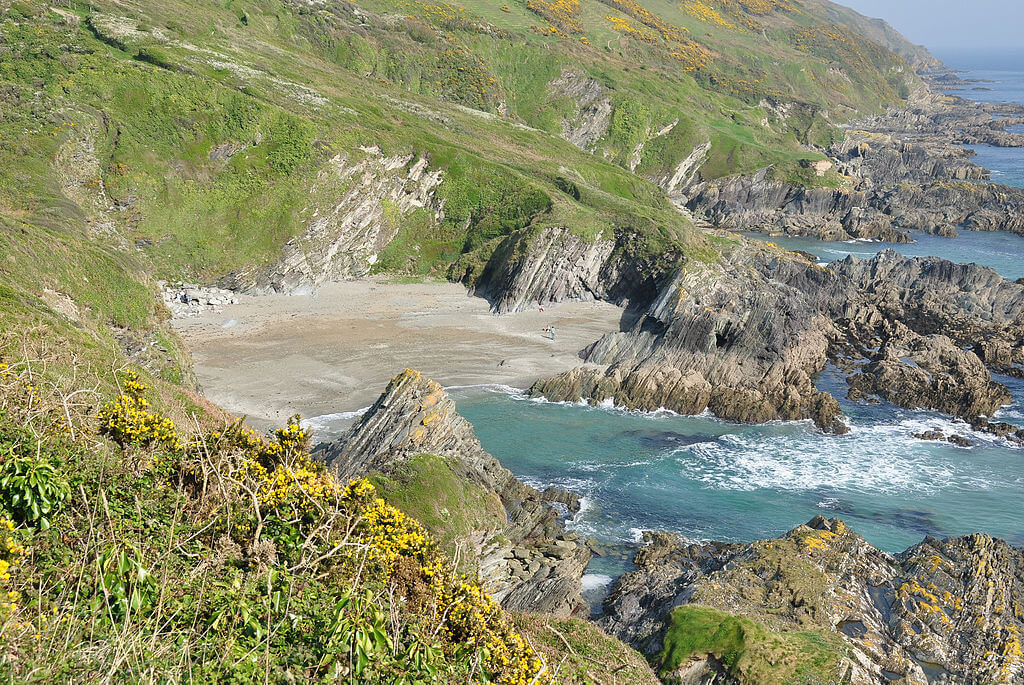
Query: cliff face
[(943, 611), (744, 339), (528, 562), (553, 265), (356, 212)]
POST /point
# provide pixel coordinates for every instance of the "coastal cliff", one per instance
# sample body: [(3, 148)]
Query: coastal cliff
[(525, 558)]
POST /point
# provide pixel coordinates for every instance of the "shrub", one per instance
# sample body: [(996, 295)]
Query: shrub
[(128, 421), (31, 488)]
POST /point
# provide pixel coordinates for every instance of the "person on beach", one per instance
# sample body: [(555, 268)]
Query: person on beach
[(551, 329)]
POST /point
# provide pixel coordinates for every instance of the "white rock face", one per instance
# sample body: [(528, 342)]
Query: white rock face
[(357, 211), (188, 299)]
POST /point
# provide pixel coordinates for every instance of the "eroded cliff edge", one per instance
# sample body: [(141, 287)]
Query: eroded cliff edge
[(745, 337), (525, 557)]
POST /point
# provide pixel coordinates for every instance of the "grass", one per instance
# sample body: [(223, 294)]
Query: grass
[(749, 651), (429, 489), (583, 654)]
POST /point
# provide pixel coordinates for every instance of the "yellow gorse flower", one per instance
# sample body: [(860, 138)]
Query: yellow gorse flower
[(128, 421)]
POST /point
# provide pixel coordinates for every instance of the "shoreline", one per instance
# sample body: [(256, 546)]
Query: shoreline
[(334, 351)]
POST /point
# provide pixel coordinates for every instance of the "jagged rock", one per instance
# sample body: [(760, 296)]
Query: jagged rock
[(942, 609), (416, 416), (743, 339), (904, 169), (348, 227), (959, 441), (755, 202), (932, 373), (189, 300), (554, 265), (973, 305)]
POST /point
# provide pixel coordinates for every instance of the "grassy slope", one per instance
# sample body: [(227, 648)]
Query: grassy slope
[(114, 120), (749, 651)]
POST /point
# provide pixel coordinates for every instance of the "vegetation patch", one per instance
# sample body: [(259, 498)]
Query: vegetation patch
[(216, 555), (749, 651)]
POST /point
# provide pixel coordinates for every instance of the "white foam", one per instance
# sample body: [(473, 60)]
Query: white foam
[(489, 387), (324, 421), (873, 459), (595, 581), (608, 405)]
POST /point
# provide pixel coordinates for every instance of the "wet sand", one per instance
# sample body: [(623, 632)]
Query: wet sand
[(273, 356)]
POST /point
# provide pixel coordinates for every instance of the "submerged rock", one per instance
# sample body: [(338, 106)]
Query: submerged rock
[(527, 561)]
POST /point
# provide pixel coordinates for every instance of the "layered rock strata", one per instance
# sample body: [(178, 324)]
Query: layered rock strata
[(944, 611), (531, 563), (353, 219), (553, 265), (745, 337)]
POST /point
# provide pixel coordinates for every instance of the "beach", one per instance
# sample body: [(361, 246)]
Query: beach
[(331, 353)]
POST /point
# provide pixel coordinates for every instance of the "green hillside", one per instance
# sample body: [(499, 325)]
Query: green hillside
[(180, 140)]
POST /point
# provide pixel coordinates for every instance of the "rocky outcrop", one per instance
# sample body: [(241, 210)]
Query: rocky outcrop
[(930, 373), (531, 563), (741, 339), (972, 305), (357, 204), (758, 203), (903, 170), (593, 116), (943, 611), (744, 338), (553, 264)]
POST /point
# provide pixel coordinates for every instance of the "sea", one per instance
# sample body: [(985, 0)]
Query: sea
[(708, 479)]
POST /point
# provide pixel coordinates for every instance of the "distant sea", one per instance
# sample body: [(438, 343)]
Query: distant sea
[(1000, 78)]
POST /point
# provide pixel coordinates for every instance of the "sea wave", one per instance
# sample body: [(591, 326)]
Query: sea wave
[(874, 459), (595, 581), (325, 422), (498, 388)]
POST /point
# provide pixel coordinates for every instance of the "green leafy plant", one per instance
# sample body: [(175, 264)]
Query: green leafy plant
[(127, 586), (31, 488)]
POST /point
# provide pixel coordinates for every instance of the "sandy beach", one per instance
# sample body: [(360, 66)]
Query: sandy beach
[(272, 356)]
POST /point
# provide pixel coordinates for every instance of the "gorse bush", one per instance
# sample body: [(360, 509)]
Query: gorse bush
[(241, 559), (128, 421)]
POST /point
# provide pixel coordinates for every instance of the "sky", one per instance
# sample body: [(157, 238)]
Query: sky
[(952, 25)]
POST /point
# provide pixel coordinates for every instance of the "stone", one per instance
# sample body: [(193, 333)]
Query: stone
[(951, 606), (413, 416)]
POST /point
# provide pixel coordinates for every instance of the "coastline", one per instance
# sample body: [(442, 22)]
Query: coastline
[(272, 356)]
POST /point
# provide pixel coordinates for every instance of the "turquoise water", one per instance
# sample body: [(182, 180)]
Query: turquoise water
[(708, 479), (1003, 80), (1000, 250)]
